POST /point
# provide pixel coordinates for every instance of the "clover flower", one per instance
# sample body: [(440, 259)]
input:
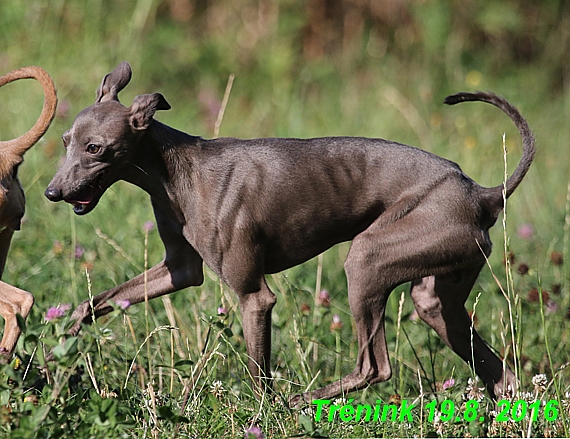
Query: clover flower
[(525, 231), (540, 382), (217, 389), (148, 226), (123, 304), (324, 298), (55, 312), (336, 323), (448, 383), (254, 432)]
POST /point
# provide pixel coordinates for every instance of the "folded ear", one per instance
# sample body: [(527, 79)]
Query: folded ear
[(114, 82), (143, 109)]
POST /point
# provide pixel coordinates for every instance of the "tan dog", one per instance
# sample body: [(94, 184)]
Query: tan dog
[(14, 301)]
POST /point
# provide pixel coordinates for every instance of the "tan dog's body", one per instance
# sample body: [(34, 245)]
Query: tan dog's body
[(13, 300)]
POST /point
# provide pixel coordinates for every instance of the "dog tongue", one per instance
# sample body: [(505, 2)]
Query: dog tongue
[(84, 197), (79, 203)]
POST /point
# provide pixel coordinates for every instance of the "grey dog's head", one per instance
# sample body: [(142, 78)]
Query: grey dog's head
[(101, 142)]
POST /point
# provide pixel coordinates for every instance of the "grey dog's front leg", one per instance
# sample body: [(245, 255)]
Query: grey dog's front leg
[(256, 321), (161, 279)]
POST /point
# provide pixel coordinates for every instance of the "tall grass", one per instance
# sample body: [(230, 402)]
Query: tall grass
[(176, 367)]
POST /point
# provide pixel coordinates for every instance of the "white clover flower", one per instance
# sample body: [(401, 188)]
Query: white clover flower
[(217, 389), (438, 424), (540, 382), (473, 392)]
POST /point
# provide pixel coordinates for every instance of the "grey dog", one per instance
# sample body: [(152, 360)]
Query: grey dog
[(248, 208)]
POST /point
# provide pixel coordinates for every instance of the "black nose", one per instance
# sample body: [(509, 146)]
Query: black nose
[(53, 194)]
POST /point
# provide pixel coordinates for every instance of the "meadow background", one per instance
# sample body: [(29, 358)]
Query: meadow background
[(176, 368)]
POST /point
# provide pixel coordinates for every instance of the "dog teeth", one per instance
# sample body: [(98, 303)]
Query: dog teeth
[(79, 208)]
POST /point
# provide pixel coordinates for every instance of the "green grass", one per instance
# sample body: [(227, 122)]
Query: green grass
[(178, 369)]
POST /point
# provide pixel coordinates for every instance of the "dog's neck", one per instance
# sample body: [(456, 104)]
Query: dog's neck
[(157, 168)]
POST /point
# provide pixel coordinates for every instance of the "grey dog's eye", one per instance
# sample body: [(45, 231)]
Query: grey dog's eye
[(93, 149)]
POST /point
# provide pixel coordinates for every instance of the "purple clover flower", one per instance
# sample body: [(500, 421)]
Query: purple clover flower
[(254, 433), (55, 312), (79, 251), (324, 298), (123, 304), (448, 383), (525, 232)]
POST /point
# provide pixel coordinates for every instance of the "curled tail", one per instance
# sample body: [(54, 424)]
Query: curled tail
[(520, 122), (20, 145)]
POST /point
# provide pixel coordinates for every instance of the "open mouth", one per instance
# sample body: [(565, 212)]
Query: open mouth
[(80, 207), (85, 201)]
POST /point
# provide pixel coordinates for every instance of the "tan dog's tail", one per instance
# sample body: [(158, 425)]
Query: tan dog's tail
[(18, 146), (520, 122)]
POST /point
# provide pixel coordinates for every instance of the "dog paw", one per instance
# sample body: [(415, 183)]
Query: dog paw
[(5, 356)]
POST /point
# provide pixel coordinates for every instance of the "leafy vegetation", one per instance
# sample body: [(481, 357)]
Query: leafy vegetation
[(176, 367)]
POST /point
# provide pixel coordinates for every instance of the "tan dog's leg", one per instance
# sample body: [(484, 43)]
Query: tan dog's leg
[(13, 301)]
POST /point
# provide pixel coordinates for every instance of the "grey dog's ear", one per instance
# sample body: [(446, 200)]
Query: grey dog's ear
[(114, 82), (144, 107)]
